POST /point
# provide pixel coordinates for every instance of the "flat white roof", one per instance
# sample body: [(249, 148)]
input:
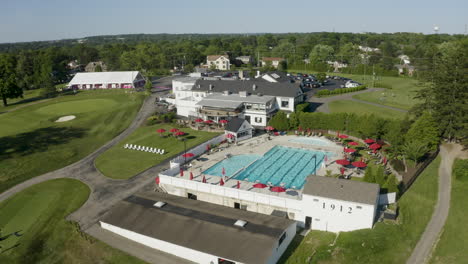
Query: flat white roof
[(104, 77)]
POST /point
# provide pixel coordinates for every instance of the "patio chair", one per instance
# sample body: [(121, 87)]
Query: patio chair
[(126, 146), (139, 147), (162, 152)]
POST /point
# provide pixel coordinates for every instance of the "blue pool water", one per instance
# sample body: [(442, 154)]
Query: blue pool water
[(311, 141), (231, 165), (283, 166)]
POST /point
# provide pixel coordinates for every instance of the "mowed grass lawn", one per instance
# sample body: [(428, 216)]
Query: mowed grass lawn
[(453, 244), (387, 242), (121, 163), (38, 215), (31, 143), (28, 96), (401, 95), (348, 106)]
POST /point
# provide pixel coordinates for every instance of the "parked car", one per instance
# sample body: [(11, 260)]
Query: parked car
[(351, 84)]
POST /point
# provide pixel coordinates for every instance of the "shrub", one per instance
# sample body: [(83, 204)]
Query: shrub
[(340, 91), (460, 169)]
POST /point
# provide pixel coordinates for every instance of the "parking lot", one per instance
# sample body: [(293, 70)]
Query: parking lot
[(331, 83)]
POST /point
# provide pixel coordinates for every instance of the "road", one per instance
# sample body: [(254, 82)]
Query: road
[(422, 251), (105, 192), (321, 104)]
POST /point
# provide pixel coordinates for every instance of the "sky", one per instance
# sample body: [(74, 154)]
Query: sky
[(34, 20)]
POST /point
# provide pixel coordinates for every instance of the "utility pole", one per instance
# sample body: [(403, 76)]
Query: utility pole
[(373, 76)]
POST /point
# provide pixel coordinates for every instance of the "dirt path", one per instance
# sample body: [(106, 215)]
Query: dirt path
[(321, 104), (422, 251)]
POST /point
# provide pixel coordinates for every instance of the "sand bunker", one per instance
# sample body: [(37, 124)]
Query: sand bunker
[(65, 118)]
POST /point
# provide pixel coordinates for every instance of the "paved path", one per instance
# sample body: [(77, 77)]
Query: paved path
[(422, 251), (321, 104), (105, 192)]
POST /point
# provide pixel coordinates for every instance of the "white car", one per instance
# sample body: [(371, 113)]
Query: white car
[(351, 84)]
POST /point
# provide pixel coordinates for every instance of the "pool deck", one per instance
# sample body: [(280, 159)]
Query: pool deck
[(260, 145)]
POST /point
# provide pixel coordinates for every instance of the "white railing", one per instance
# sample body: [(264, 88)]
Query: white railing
[(197, 151)]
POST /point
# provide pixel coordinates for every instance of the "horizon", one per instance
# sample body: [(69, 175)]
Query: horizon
[(47, 20)]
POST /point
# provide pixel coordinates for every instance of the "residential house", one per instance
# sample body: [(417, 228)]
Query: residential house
[(273, 61), (337, 65), (91, 67), (244, 59), (219, 62), (405, 69)]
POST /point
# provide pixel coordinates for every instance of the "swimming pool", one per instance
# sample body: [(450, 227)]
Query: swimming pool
[(311, 141), (284, 166), (232, 164)]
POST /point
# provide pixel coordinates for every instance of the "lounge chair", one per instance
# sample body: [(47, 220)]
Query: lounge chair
[(162, 152), (139, 147), (126, 146)]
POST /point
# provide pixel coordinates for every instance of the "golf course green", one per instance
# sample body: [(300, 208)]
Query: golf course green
[(32, 143), (34, 229)]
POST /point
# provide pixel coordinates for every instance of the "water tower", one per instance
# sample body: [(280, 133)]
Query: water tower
[(436, 29)]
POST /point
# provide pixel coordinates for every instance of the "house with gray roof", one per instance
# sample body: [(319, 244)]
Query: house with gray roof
[(200, 231)]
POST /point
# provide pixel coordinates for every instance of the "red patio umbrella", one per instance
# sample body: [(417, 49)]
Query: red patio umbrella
[(374, 146), (204, 179), (384, 161), (181, 172), (269, 128), (191, 175), (208, 147), (179, 133), (161, 130), (238, 184), (260, 185), (173, 130), (299, 128), (209, 122), (221, 182), (224, 121), (343, 136), (359, 164), (188, 155), (369, 141), (343, 162), (352, 143), (342, 170), (157, 180), (198, 120), (349, 150), (277, 189), (229, 135)]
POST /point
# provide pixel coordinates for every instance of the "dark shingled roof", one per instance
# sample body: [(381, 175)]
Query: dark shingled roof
[(200, 226), (262, 87), (234, 124), (340, 189)]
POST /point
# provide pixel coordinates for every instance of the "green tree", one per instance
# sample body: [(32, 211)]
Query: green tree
[(392, 184), (279, 121), (414, 150), (369, 175), (8, 83), (321, 53), (321, 76), (425, 130), (380, 176), (148, 84)]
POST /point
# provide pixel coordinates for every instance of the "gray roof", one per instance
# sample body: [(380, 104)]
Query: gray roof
[(262, 87), (232, 100), (200, 226), (234, 124), (340, 189)]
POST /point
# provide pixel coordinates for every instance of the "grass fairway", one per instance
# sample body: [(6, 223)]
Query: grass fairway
[(387, 242), (120, 163), (31, 143), (348, 106), (453, 244), (38, 215), (28, 96)]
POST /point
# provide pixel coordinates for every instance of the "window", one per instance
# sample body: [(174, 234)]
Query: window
[(243, 207), (284, 103), (316, 200), (282, 239), (191, 196), (237, 205), (359, 207), (258, 120)]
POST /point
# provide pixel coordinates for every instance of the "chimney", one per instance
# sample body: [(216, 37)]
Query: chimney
[(210, 87), (254, 87), (241, 74), (258, 74), (226, 92)]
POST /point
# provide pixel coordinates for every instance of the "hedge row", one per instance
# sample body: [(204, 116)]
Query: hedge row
[(340, 91)]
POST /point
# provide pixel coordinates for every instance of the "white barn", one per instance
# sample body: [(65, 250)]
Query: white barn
[(107, 80), (199, 231)]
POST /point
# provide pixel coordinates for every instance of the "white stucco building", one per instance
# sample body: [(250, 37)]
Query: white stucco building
[(274, 61), (219, 62), (199, 231), (254, 100), (107, 80)]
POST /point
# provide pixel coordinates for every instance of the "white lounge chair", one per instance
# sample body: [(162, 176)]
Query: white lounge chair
[(162, 152), (155, 150), (134, 147), (158, 151), (146, 149), (138, 148), (126, 146)]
